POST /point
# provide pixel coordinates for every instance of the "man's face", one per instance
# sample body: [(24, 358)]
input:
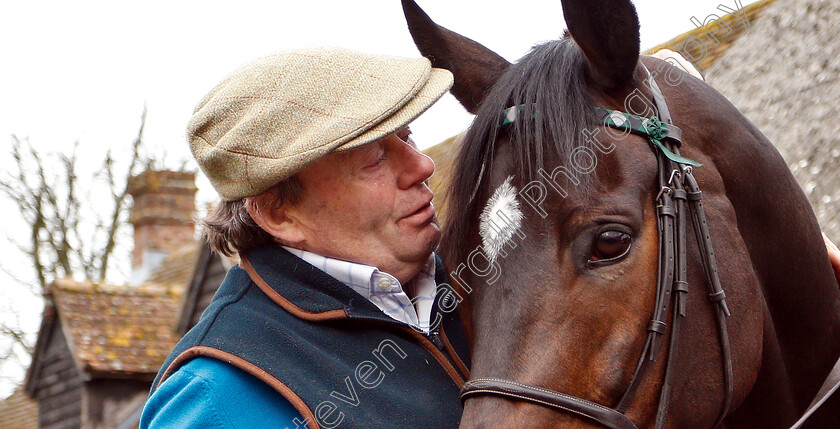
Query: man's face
[(371, 205)]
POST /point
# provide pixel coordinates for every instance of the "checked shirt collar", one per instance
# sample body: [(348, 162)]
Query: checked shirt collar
[(383, 289)]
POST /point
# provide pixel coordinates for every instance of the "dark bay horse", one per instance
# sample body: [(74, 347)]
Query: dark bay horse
[(552, 239)]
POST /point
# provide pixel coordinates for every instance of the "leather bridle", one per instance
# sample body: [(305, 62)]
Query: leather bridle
[(678, 195)]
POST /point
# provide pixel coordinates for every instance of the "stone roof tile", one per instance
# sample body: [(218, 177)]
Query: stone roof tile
[(725, 37), (18, 411), (118, 329), (178, 266)]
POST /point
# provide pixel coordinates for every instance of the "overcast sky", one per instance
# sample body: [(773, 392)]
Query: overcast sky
[(82, 70)]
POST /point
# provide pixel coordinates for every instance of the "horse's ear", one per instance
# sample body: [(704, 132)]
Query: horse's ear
[(607, 32), (475, 67)]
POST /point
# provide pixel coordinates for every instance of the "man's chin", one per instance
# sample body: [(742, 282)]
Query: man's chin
[(435, 235), (424, 243)]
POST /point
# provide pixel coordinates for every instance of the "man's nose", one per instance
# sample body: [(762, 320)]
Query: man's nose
[(415, 167)]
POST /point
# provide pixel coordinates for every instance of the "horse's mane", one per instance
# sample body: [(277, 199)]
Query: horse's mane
[(550, 81)]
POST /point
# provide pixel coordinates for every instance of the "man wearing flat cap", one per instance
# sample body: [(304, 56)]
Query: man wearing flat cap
[(338, 314)]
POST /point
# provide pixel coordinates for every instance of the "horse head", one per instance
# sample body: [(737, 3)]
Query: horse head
[(553, 241)]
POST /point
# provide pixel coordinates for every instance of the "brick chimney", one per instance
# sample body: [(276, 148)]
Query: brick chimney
[(162, 215)]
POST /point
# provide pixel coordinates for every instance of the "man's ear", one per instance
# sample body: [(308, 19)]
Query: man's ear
[(273, 218)]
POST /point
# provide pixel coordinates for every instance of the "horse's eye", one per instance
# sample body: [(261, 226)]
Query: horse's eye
[(610, 245)]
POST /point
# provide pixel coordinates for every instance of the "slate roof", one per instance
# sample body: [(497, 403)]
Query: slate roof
[(18, 411), (783, 75)]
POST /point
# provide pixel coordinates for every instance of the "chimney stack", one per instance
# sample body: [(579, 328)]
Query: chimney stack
[(162, 215)]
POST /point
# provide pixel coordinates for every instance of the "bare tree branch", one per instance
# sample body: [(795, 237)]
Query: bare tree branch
[(17, 279), (38, 225), (120, 199), (16, 335), (63, 235)]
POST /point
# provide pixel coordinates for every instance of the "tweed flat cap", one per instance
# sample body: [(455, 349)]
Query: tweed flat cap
[(276, 114)]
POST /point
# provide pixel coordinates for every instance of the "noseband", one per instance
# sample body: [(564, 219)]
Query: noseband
[(678, 194)]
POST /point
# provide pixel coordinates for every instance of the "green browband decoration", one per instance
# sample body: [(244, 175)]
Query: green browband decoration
[(652, 128), (511, 113)]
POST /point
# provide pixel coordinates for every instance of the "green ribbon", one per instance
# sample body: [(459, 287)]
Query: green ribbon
[(656, 131), (652, 128), (511, 114)]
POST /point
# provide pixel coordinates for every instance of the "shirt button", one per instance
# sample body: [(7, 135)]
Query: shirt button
[(384, 284)]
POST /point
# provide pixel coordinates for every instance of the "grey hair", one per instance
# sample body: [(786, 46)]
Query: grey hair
[(229, 228)]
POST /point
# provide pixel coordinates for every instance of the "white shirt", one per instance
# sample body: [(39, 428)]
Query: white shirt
[(383, 289)]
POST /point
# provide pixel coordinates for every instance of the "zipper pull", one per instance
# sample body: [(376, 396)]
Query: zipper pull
[(434, 337)]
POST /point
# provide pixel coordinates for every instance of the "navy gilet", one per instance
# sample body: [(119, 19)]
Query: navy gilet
[(334, 355)]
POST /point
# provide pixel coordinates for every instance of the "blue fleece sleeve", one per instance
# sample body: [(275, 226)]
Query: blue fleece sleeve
[(208, 393)]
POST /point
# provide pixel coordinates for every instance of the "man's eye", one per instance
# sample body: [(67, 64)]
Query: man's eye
[(404, 134), (378, 162)]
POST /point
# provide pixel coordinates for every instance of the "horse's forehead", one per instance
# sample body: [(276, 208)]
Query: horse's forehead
[(620, 183), (603, 164)]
